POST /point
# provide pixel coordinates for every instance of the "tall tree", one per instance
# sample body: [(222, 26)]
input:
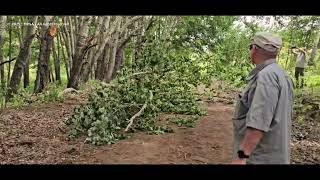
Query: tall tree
[(113, 52), (56, 53), (66, 38), (65, 61), (119, 61), (88, 66), (44, 56), (10, 49), (102, 63), (116, 28), (23, 56), (3, 21), (81, 47), (26, 79)]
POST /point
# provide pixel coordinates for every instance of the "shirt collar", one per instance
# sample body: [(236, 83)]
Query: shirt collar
[(259, 67)]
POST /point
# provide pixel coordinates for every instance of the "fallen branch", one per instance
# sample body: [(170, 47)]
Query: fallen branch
[(8, 61), (139, 113)]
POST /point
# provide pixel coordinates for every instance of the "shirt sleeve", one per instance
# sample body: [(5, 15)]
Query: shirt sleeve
[(263, 106)]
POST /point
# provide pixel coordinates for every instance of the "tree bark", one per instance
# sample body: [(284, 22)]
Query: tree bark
[(67, 41), (44, 56), (87, 68), (103, 42), (111, 63), (113, 30), (26, 78), (102, 63), (9, 53), (119, 62), (68, 51), (3, 21), (51, 76), (20, 34), (72, 35), (112, 58), (76, 22), (80, 53), (64, 57), (315, 48), (22, 59), (56, 57)]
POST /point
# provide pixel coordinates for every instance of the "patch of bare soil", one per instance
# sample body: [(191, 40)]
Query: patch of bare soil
[(37, 135), (305, 142)]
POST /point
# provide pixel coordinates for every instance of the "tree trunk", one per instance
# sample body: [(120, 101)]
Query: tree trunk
[(68, 51), (76, 22), (102, 63), (111, 29), (9, 53), (44, 57), (79, 54), (87, 69), (64, 57), (111, 63), (119, 62), (71, 35), (22, 59), (112, 58), (56, 57), (67, 41), (38, 73), (105, 38), (52, 79), (315, 48), (3, 21), (26, 79), (138, 46), (20, 34), (98, 57)]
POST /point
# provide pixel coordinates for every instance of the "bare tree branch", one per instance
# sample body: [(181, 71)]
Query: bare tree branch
[(126, 40), (8, 61), (140, 112)]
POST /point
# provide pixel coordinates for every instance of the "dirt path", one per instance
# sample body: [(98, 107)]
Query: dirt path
[(37, 135)]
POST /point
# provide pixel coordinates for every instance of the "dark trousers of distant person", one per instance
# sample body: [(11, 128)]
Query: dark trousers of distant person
[(299, 74)]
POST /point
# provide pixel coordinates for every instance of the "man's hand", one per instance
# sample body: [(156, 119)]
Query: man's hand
[(239, 161)]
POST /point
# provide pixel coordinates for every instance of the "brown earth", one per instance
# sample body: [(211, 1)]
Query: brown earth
[(37, 135)]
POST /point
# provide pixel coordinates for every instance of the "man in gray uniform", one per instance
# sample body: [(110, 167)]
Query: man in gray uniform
[(262, 119)]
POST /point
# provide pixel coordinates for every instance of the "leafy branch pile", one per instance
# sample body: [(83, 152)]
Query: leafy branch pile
[(107, 113), (154, 84)]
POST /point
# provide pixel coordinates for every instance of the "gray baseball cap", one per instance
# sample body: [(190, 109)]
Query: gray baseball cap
[(268, 41)]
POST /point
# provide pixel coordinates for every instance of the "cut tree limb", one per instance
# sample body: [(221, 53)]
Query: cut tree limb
[(139, 113)]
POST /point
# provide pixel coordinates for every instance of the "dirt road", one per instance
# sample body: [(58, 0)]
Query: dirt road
[(37, 135)]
